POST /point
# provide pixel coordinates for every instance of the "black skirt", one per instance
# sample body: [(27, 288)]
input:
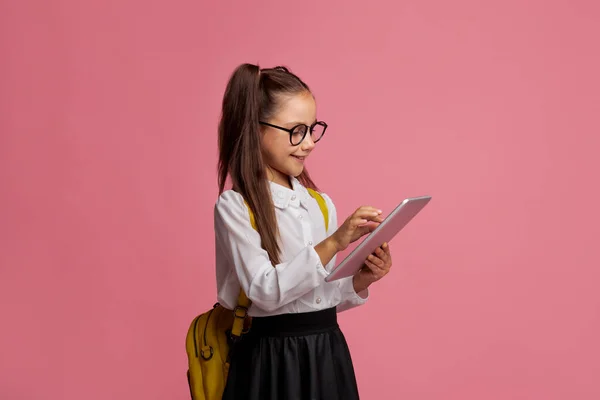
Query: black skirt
[(292, 357)]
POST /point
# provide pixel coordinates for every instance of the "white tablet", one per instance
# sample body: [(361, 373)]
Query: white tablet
[(390, 226)]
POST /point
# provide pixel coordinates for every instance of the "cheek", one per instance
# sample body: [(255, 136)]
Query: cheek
[(275, 146)]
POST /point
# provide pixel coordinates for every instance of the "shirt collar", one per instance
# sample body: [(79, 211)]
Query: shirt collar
[(284, 197)]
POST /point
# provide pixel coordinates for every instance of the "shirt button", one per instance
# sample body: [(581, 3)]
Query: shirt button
[(294, 197), (299, 216), (309, 243), (318, 300)]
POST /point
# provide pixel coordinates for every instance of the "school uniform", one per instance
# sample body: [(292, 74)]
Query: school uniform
[(295, 349)]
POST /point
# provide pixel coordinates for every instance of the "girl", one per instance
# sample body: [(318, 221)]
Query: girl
[(294, 349)]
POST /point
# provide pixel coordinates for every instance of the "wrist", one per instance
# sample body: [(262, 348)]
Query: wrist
[(326, 250), (335, 245), (359, 283)]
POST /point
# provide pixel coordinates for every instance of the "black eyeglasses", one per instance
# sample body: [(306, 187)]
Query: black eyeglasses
[(298, 132)]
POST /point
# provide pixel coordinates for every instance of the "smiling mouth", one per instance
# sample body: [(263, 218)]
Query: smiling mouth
[(299, 158)]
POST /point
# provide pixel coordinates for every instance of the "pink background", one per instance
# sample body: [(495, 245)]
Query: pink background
[(108, 113)]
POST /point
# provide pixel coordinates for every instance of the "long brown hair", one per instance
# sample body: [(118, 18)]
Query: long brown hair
[(251, 95)]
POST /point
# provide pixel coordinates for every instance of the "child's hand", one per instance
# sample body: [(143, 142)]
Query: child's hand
[(364, 220), (377, 265)]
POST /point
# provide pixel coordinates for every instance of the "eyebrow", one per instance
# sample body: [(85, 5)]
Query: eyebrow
[(294, 123)]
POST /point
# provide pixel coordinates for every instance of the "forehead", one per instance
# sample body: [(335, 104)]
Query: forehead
[(298, 108)]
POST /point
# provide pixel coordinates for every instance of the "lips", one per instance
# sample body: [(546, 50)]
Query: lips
[(300, 159)]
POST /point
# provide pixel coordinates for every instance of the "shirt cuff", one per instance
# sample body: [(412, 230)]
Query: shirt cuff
[(315, 259)]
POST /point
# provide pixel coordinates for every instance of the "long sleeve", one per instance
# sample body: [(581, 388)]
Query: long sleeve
[(350, 298), (268, 287)]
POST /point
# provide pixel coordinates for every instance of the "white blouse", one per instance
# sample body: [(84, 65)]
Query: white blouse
[(296, 284)]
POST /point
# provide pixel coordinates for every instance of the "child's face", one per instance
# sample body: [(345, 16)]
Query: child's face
[(281, 156)]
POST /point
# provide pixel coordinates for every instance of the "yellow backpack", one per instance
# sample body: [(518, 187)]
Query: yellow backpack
[(211, 334)]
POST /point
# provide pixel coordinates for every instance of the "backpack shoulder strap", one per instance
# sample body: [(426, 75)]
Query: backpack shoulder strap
[(240, 312), (322, 205)]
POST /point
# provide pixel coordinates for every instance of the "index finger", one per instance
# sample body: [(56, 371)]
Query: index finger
[(367, 212)]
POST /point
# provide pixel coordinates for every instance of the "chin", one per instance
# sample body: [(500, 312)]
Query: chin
[(296, 172), (293, 170)]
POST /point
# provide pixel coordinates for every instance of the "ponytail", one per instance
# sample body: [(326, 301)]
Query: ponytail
[(240, 153), (239, 120)]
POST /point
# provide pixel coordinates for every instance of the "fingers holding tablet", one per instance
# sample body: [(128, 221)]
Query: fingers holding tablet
[(376, 266), (381, 258)]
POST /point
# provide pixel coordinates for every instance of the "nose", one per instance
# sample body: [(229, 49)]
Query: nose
[(307, 144)]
